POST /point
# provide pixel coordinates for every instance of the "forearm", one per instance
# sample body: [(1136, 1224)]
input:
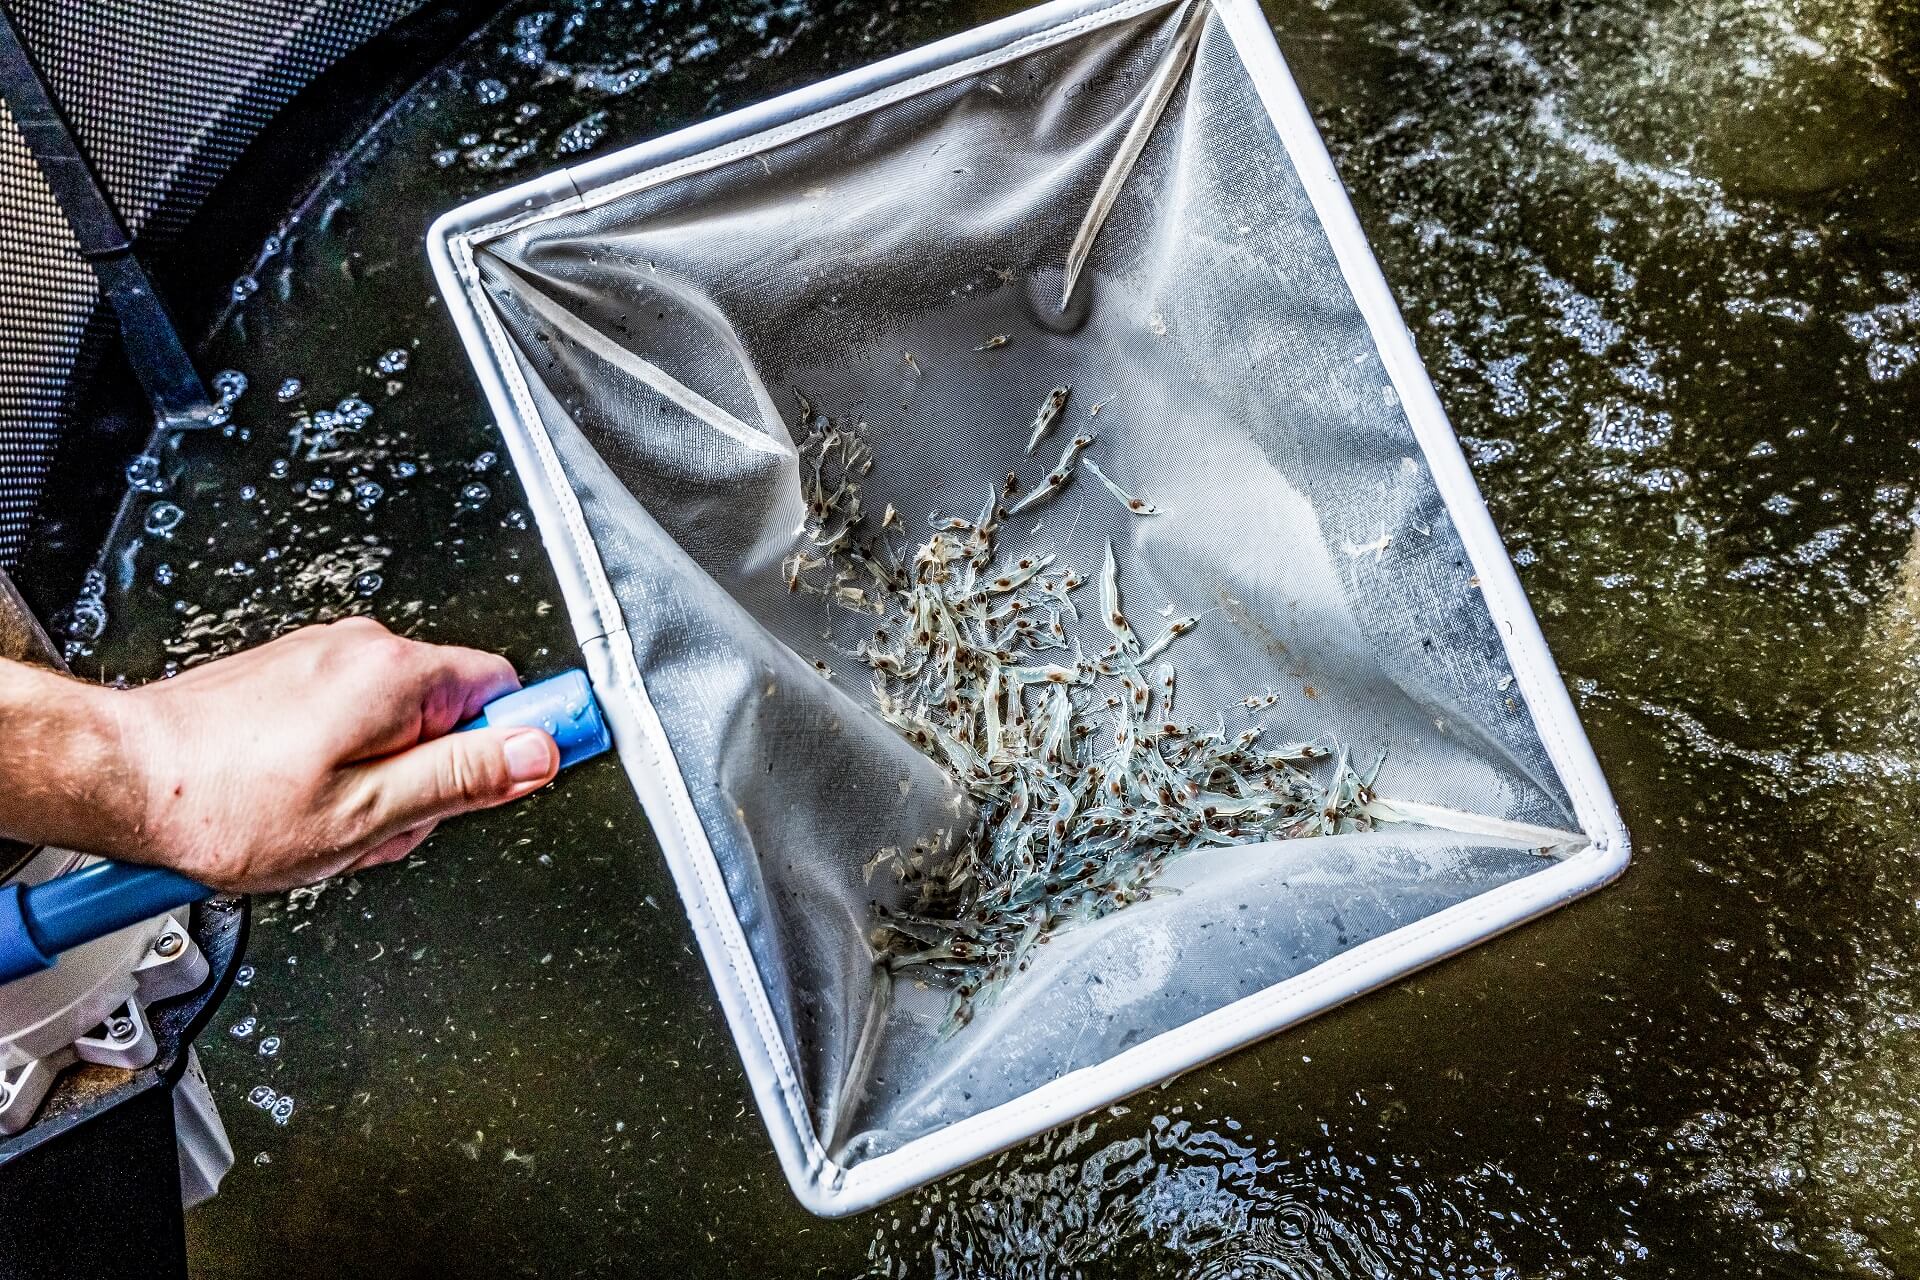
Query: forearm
[(68, 779), (324, 751)]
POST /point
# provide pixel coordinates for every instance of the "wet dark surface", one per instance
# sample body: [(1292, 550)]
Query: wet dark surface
[(1664, 262)]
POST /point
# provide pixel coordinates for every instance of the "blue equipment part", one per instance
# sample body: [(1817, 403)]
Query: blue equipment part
[(562, 705), (40, 921)]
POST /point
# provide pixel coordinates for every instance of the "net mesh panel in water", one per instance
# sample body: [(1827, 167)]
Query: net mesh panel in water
[(659, 332), (163, 96)]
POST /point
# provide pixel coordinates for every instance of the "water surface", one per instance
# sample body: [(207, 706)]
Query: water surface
[(1663, 260)]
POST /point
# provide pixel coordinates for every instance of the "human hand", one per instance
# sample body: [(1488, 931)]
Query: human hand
[(324, 751)]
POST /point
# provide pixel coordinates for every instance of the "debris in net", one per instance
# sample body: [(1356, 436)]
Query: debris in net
[(1138, 506), (911, 364), (1378, 547), (1098, 405), (1049, 410), (1083, 785), (997, 340), (1056, 479)]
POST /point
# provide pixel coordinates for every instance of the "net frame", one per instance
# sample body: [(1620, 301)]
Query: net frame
[(823, 1184)]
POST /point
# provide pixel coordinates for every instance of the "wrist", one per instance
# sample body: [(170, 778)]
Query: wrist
[(79, 785), (125, 750)]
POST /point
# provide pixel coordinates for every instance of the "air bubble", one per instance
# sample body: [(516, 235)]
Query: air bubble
[(353, 412), (143, 473), (163, 574), (582, 134), (395, 361), (278, 469), (248, 493), (490, 91), (162, 518), (445, 157), (486, 461), (367, 584), (245, 1027), (243, 977), (474, 494), (282, 1110), (516, 519), (366, 493), (404, 470), (87, 619), (270, 1046), (289, 389), (319, 487)]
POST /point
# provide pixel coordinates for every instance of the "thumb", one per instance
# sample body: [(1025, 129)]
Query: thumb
[(459, 772)]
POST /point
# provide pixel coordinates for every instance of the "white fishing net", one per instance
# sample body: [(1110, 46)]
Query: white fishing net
[(677, 331)]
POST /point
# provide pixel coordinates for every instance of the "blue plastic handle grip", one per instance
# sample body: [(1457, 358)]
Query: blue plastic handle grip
[(38, 922), (562, 705)]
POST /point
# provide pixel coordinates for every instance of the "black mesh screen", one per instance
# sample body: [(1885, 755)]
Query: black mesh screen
[(164, 96), (47, 292)]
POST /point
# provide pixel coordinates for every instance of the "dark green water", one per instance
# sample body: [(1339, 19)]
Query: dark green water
[(1663, 259)]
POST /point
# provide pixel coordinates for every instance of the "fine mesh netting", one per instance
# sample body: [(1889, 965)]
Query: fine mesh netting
[(678, 332)]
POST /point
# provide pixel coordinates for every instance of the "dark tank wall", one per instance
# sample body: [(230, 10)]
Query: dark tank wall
[(165, 100)]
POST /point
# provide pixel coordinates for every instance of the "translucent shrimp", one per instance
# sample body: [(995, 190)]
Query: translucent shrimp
[(1049, 411), (1175, 629), (1056, 479), (1139, 506), (1114, 616)]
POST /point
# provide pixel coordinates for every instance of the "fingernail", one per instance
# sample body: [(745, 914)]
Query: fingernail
[(528, 754)]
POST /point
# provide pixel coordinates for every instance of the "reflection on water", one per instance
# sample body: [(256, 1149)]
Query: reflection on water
[(1664, 261), (1208, 1199)]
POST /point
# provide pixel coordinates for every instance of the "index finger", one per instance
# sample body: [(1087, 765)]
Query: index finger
[(430, 688), (460, 681)]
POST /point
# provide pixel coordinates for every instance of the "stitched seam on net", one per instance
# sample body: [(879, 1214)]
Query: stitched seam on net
[(712, 889), (1434, 437), (684, 822), (817, 122), (1253, 1010)]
